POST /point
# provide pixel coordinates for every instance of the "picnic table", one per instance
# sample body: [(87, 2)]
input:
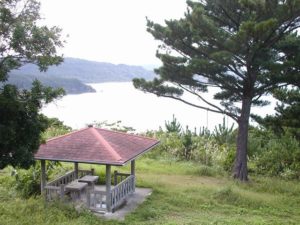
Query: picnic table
[(89, 179), (75, 189)]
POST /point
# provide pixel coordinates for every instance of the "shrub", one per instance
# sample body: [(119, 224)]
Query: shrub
[(27, 182), (56, 128), (276, 156), (228, 158)]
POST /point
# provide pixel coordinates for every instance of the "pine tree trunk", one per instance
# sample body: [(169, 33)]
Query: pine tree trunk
[(240, 170)]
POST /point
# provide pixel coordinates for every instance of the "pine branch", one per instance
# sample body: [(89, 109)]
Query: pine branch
[(199, 96), (234, 117), (229, 17)]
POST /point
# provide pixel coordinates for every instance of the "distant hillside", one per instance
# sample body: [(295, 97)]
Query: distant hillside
[(73, 74), (89, 71), (71, 85)]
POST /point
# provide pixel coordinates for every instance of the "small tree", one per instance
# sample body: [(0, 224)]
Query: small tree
[(244, 48), (23, 41), (223, 134), (173, 126)]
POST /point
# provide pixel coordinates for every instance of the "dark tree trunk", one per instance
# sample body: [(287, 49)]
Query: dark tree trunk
[(240, 170)]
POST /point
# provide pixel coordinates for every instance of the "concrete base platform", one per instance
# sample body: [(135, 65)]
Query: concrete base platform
[(129, 206)]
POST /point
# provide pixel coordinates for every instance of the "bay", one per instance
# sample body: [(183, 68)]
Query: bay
[(143, 111)]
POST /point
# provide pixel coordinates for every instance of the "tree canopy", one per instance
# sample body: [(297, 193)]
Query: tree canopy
[(287, 113), (244, 48), (23, 40)]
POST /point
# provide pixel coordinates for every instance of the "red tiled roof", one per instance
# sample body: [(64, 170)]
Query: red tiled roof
[(95, 145)]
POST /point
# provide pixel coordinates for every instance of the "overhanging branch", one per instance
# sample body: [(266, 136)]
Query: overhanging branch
[(199, 96), (234, 117)]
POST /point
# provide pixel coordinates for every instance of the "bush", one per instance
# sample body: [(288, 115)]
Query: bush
[(189, 146), (229, 157), (27, 182), (268, 154), (55, 128), (275, 156)]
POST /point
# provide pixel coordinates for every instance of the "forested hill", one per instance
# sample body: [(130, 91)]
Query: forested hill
[(73, 73), (70, 85)]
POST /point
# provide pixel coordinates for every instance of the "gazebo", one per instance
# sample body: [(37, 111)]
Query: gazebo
[(93, 146)]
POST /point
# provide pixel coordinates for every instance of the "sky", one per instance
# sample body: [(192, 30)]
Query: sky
[(110, 30)]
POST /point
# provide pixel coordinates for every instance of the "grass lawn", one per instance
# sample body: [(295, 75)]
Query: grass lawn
[(183, 193)]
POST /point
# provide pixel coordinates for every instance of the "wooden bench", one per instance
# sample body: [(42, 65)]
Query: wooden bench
[(75, 188), (89, 179)]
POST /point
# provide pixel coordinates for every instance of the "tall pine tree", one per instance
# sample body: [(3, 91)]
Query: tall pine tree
[(242, 47)]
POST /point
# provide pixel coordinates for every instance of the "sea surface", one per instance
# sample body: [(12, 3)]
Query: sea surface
[(143, 111)]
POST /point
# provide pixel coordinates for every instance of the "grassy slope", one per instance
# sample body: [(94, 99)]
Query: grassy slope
[(180, 196)]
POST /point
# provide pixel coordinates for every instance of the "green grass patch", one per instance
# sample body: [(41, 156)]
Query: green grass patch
[(183, 193)]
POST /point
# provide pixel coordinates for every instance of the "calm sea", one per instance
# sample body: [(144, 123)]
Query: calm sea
[(142, 111)]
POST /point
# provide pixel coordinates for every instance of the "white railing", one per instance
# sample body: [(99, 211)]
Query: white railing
[(64, 179), (53, 192), (82, 173), (96, 200), (56, 187), (121, 191), (119, 177)]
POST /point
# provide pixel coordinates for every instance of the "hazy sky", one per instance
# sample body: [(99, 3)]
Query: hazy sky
[(110, 30)]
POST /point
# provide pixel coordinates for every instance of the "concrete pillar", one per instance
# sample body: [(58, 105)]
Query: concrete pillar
[(76, 169), (108, 187), (132, 168), (43, 175), (115, 178)]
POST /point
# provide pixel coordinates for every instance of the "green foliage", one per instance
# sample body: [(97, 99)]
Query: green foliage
[(204, 132), (179, 196), (24, 41), (55, 128), (21, 124), (280, 157), (187, 143), (228, 158), (222, 134), (268, 153), (287, 113), (223, 48), (27, 182), (245, 48), (117, 126), (173, 126), (170, 145), (273, 155), (191, 147)]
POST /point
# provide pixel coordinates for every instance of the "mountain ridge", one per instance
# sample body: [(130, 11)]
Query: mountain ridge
[(74, 74)]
